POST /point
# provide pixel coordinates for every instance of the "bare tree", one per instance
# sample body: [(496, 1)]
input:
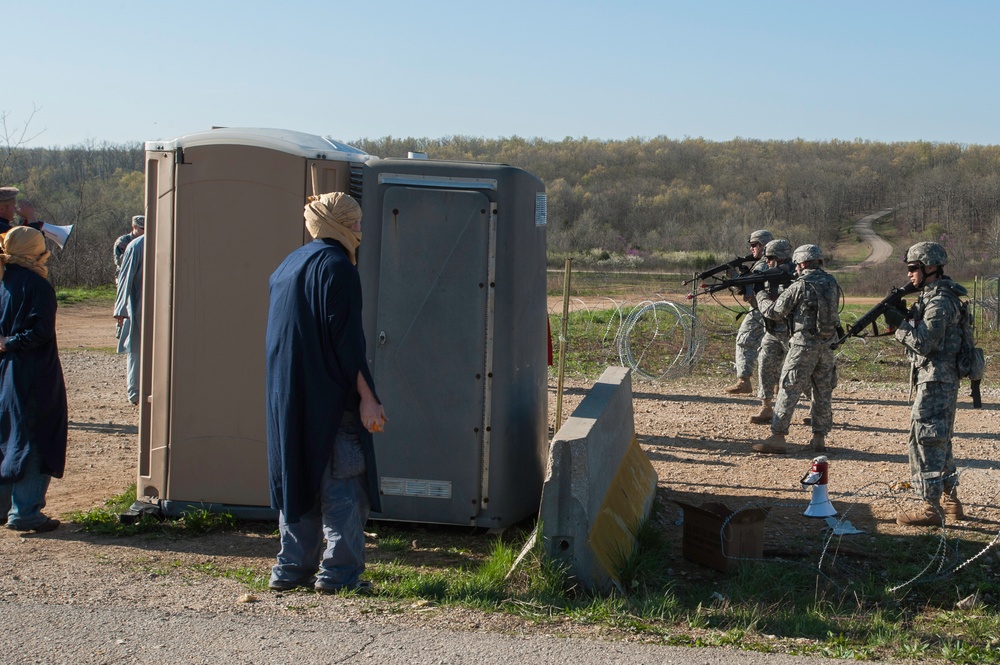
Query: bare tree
[(14, 138)]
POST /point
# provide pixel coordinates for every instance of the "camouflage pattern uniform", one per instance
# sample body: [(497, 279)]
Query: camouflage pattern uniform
[(121, 244), (774, 345), (750, 334), (932, 339), (810, 304)]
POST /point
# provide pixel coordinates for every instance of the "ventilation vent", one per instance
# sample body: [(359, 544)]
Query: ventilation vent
[(429, 489), (541, 209), (355, 187)]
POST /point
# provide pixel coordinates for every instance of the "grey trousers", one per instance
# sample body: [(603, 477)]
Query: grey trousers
[(339, 517)]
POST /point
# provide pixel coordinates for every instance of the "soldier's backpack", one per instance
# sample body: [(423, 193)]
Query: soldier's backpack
[(971, 359)]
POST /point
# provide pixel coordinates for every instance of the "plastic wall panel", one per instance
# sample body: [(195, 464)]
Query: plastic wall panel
[(223, 218), (515, 396)]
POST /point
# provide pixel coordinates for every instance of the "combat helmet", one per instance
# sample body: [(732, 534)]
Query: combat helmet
[(927, 253), (763, 236), (780, 249), (805, 253)]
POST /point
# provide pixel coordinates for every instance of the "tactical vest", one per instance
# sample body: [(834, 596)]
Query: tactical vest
[(817, 315)]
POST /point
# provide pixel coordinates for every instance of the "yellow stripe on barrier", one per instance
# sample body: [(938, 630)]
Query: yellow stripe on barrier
[(626, 504)]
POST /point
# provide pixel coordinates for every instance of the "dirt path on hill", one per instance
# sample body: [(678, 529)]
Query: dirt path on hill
[(880, 249)]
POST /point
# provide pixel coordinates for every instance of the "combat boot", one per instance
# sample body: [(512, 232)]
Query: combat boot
[(741, 387), (818, 442), (951, 506), (928, 514), (772, 445), (765, 415)]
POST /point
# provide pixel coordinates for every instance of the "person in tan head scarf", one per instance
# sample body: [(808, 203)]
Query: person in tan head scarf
[(336, 216), (24, 246), (321, 405), (32, 390)]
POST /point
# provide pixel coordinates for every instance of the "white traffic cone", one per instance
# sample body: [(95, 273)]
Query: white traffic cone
[(819, 504)]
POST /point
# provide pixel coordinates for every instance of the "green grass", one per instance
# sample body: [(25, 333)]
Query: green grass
[(773, 606), (255, 579), (80, 294), (592, 346), (105, 520)]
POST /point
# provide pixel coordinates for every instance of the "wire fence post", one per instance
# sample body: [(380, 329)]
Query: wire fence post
[(563, 343), (694, 319)]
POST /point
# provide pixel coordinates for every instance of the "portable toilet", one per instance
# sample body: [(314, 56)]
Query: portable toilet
[(452, 267), (223, 209)]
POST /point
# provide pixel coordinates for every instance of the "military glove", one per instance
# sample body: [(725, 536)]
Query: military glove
[(895, 315)]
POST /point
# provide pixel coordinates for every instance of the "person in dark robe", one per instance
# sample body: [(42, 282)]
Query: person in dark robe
[(321, 405), (33, 413)]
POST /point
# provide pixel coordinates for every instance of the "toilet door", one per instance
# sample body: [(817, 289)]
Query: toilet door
[(430, 354)]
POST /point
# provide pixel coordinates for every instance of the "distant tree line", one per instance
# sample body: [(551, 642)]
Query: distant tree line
[(96, 187), (638, 197)]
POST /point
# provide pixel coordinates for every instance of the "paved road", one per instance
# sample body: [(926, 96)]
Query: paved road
[(881, 250), (53, 633)]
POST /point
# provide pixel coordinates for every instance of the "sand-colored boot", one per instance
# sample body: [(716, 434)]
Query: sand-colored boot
[(951, 506), (772, 445), (928, 514), (765, 415), (741, 387), (818, 442)]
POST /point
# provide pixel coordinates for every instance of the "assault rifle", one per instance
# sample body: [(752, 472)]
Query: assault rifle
[(736, 263), (894, 300), (754, 281)]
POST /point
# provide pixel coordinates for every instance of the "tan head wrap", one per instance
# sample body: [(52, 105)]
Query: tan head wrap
[(332, 216), (25, 246)]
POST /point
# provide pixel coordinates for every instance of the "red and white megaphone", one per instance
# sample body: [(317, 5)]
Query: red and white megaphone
[(58, 234), (819, 504)]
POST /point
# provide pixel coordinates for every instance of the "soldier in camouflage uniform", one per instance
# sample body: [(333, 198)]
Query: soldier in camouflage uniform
[(751, 331), (810, 304), (932, 335), (121, 244), (774, 346)]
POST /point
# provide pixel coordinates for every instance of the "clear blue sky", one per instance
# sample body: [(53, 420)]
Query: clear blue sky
[(882, 70)]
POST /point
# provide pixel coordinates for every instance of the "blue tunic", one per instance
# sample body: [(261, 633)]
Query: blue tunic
[(128, 297), (32, 390), (315, 347)]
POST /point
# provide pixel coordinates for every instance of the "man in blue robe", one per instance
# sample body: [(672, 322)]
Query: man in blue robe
[(128, 313), (33, 413), (321, 405)]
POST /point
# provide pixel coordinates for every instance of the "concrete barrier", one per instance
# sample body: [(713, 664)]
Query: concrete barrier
[(599, 485)]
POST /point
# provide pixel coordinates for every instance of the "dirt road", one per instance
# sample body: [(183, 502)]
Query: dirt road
[(880, 249)]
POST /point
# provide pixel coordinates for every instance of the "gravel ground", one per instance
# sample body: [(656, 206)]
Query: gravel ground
[(696, 437)]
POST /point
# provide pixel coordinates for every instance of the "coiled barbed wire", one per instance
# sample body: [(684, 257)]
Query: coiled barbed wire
[(660, 340), (987, 304)]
